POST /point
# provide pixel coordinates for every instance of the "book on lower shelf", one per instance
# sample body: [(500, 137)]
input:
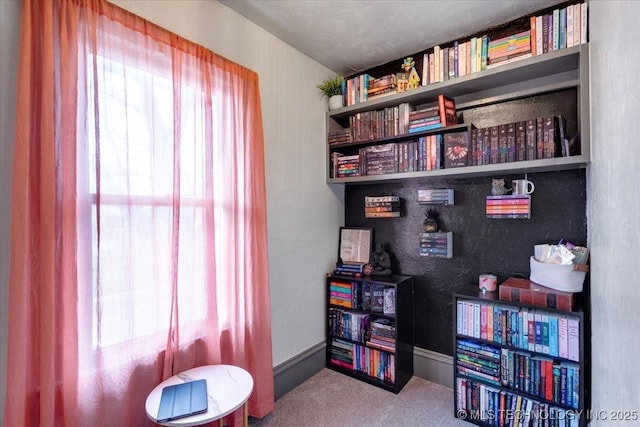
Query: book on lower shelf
[(546, 331), (518, 365), (456, 149), (524, 290)]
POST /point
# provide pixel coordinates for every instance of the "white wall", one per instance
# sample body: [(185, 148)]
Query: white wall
[(614, 205), (9, 34)]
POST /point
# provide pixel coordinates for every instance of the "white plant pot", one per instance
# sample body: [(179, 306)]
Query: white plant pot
[(335, 102)]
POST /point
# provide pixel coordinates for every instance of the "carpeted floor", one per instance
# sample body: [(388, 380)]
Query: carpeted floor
[(331, 399)]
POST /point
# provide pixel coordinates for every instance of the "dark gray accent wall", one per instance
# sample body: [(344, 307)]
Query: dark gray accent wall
[(499, 246)]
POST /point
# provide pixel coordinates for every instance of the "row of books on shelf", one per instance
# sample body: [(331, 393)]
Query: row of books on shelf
[(363, 328), (360, 358), (508, 206), (544, 377), (561, 28), (539, 138), (350, 325), (381, 207), (534, 330), (438, 245), (492, 406), (365, 87), (374, 297), (424, 154), (397, 120)]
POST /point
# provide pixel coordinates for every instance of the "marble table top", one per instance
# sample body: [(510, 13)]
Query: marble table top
[(228, 388)]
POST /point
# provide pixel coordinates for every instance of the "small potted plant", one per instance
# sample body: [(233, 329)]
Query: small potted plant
[(332, 89)]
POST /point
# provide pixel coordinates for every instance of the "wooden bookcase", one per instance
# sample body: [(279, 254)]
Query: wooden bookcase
[(548, 73), (506, 352), (353, 321)]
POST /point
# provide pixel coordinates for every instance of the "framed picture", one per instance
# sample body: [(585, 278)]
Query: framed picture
[(355, 245)]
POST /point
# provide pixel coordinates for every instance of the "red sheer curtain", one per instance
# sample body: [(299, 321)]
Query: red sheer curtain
[(139, 244)]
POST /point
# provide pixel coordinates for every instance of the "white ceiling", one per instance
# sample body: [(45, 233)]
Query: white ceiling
[(349, 36)]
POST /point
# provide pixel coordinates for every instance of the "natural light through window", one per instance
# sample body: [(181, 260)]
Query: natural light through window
[(136, 181)]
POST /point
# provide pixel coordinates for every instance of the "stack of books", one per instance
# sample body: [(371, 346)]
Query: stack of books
[(481, 361), (438, 244), (434, 117), (342, 136), (524, 290), (345, 166), (516, 206), (441, 196), (349, 269), (382, 86), (381, 207), (383, 334), (380, 159), (424, 119), (340, 294), (509, 49)]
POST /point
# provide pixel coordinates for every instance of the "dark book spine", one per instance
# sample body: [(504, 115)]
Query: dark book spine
[(473, 159), (494, 145), (521, 141), (486, 146), (502, 144), (545, 33), (511, 142), (540, 138), (549, 136), (531, 144), (479, 147)]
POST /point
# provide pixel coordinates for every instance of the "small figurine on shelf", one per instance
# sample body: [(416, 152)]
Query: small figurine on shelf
[(380, 262), (430, 224), (403, 79), (409, 66), (498, 188)]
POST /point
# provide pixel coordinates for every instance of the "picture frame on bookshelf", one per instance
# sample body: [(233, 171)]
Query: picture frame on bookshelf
[(355, 245)]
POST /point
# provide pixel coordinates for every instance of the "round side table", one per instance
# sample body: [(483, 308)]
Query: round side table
[(228, 388)]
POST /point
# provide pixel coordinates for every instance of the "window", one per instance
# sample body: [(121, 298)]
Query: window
[(141, 198)]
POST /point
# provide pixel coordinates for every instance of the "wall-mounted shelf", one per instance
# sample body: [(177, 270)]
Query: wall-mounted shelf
[(437, 196), (543, 74), (437, 244)]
